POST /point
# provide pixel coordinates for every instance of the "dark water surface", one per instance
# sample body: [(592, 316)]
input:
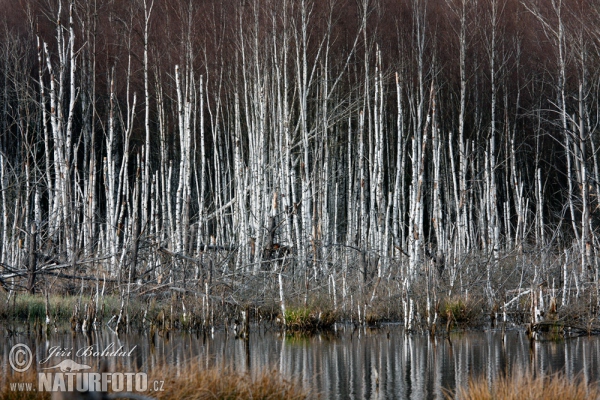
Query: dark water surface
[(350, 364)]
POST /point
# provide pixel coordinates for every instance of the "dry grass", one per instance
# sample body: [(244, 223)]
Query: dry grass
[(8, 388), (194, 383), (521, 386), (189, 382)]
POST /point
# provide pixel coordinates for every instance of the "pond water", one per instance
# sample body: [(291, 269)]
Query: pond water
[(348, 364)]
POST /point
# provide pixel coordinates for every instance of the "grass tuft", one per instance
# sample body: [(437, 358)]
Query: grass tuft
[(194, 383), (460, 311), (307, 320), (189, 382), (521, 386)]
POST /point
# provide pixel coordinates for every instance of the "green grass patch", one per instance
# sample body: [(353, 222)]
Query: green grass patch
[(26, 307), (304, 319), (459, 310)]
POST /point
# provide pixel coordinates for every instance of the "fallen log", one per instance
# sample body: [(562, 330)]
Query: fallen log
[(549, 327)]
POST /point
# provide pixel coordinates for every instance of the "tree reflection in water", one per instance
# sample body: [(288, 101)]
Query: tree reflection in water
[(361, 363)]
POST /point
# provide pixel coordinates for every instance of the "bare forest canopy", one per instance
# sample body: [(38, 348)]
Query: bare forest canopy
[(401, 141)]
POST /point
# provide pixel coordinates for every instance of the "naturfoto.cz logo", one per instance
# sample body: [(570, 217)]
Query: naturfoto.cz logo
[(71, 376)]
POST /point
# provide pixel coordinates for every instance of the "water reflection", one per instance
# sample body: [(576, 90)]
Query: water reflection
[(350, 364)]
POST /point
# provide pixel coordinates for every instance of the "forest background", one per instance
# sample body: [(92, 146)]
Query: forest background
[(357, 155)]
